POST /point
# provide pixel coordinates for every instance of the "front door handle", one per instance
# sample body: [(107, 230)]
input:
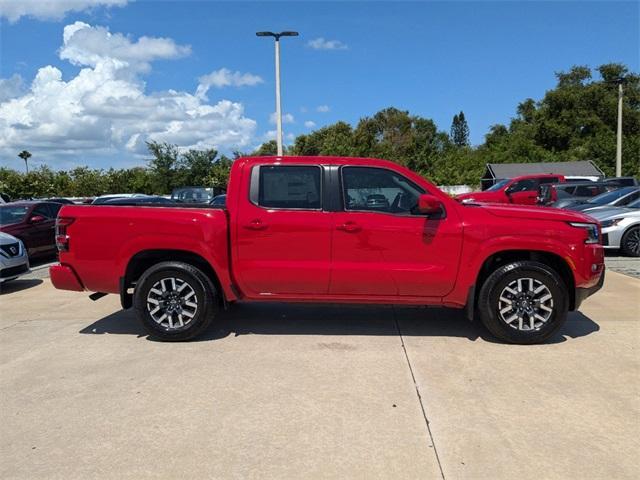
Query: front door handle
[(349, 227), (256, 225)]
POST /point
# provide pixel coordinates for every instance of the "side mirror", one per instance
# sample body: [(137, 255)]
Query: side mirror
[(428, 204), (36, 219)]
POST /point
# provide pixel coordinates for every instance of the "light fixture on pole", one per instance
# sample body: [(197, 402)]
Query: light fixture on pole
[(277, 36)]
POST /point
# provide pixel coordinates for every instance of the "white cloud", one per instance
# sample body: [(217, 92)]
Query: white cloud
[(104, 110), (225, 78), (11, 87), (322, 44), (309, 124), (87, 45), (323, 108), (12, 10), (286, 118)]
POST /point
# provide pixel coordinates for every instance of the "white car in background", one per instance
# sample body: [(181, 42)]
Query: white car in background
[(14, 260), (620, 227)]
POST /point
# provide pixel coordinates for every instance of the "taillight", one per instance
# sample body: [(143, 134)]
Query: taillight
[(62, 239)]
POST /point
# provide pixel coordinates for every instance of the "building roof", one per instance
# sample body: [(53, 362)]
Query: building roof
[(584, 168)]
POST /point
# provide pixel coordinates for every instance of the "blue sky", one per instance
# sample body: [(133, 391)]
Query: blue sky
[(431, 58)]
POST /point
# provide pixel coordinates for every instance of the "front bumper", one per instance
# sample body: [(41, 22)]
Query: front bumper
[(64, 278), (582, 293), (10, 273)]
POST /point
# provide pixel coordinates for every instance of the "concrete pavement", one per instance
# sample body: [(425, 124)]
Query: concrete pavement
[(292, 391)]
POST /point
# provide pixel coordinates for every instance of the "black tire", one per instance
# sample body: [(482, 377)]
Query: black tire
[(173, 302), (490, 301), (630, 243)]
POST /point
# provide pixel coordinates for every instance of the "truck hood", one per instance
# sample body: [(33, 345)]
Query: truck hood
[(532, 213)]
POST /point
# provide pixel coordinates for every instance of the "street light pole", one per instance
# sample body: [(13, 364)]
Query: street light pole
[(277, 36), (278, 102), (619, 136)]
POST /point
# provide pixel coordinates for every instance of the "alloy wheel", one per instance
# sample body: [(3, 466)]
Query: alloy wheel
[(633, 241), (525, 304), (172, 303)]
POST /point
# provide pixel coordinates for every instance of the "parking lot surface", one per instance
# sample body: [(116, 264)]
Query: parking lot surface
[(282, 391)]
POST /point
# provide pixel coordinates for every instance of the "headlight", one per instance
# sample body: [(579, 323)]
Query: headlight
[(592, 230), (468, 200), (611, 223)]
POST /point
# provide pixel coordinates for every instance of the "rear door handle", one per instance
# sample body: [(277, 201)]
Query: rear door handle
[(256, 225), (349, 227)]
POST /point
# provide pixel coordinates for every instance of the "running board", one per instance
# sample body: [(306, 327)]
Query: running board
[(97, 295)]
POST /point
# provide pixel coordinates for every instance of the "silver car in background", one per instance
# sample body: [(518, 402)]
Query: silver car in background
[(14, 260), (620, 227)]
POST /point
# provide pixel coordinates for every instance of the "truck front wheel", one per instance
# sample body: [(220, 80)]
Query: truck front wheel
[(175, 301), (523, 302)]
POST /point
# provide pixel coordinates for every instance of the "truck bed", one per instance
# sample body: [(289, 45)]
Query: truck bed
[(103, 239)]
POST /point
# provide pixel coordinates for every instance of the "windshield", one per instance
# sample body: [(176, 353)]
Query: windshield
[(608, 197), (12, 213), (498, 186), (193, 194)]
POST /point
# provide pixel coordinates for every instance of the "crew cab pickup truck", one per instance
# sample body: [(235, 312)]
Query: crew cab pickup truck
[(519, 190), (337, 230)]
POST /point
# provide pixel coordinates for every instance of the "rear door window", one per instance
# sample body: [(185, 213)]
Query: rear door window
[(290, 187)]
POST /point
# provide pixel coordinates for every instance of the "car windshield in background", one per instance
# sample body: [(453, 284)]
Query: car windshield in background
[(12, 214), (192, 195), (634, 204), (497, 186), (608, 197)]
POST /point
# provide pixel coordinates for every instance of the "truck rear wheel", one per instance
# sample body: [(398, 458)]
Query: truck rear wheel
[(523, 302), (175, 301)]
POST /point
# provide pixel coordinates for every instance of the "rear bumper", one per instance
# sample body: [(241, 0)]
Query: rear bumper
[(64, 278), (585, 292)]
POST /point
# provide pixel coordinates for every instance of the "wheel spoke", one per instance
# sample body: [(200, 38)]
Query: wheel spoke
[(506, 309), (191, 304), (545, 308), (153, 300), (189, 295), (506, 300), (548, 296), (511, 319)]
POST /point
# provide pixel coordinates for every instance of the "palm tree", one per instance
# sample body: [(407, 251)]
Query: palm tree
[(25, 156)]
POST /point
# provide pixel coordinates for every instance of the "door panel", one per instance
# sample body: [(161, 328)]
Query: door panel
[(394, 255), (281, 247), (387, 250)]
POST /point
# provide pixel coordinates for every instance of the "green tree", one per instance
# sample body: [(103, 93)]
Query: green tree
[(460, 130), (163, 166)]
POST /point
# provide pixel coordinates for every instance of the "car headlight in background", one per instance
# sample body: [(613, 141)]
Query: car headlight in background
[(611, 223), (592, 230)]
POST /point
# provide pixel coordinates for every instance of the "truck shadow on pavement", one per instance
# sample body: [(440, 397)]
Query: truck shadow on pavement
[(336, 320)]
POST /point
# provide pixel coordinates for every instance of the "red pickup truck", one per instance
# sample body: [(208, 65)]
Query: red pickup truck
[(519, 190), (338, 230)]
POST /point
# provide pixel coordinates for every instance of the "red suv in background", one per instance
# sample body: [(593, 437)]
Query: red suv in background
[(519, 190), (33, 223)]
